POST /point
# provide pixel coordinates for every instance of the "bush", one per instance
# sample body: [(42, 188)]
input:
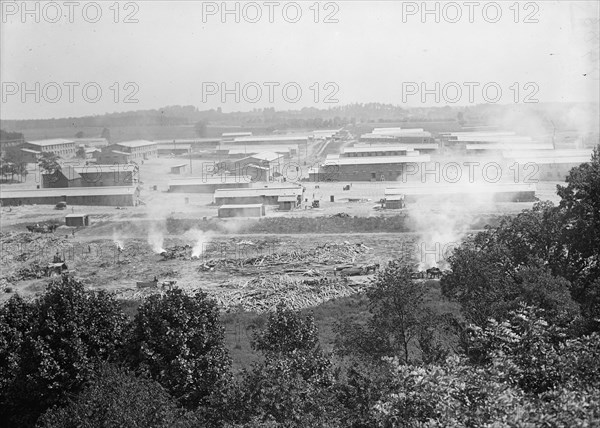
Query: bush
[(51, 346), (178, 341), (117, 398)]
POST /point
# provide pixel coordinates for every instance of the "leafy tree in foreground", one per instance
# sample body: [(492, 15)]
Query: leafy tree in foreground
[(400, 323), (52, 346), (580, 201), (116, 398), (293, 385), (488, 282), (494, 270), (530, 376), (178, 340)]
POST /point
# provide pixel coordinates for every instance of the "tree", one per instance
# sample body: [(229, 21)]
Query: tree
[(292, 386), (48, 162), (534, 354), (14, 162), (116, 397), (400, 320), (561, 243), (521, 372), (286, 332), (80, 134), (178, 340), (52, 346), (105, 134), (580, 201), (200, 128), (489, 277), (80, 153)]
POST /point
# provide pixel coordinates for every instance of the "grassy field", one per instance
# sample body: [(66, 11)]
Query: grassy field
[(239, 326)]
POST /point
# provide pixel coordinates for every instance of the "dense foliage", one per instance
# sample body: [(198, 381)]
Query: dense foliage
[(51, 346), (178, 340), (548, 256), (117, 398), (401, 323)]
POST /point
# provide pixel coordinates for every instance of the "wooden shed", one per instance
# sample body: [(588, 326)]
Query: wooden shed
[(76, 220), (179, 169), (287, 203), (248, 210), (394, 202)]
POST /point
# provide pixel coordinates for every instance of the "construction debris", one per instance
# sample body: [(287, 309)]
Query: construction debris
[(33, 271), (42, 228), (292, 261), (177, 252), (262, 294)]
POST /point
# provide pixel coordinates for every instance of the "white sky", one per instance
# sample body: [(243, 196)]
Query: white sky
[(368, 54)]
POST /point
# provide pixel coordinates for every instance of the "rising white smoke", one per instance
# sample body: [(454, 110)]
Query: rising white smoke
[(442, 222), (118, 240), (201, 241), (156, 239)]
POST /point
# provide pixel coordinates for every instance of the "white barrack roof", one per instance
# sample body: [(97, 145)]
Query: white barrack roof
[(460, 189), (69, 191), (265, 191), (240, 206), (51, 142), (135, 143), (376, 160)]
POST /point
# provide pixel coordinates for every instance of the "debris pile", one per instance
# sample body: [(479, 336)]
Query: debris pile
[(340, 215), (33, 271), (177, 252), (262, 294), (43, 227), (24, 255), (291, 261)]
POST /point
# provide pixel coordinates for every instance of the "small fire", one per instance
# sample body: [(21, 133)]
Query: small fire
[(156, 241), (118, 241), (201, 239)]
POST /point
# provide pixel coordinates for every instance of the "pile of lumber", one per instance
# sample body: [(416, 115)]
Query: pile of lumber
[(326, 254), (33, 271), (177, 252), (262, 294)]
